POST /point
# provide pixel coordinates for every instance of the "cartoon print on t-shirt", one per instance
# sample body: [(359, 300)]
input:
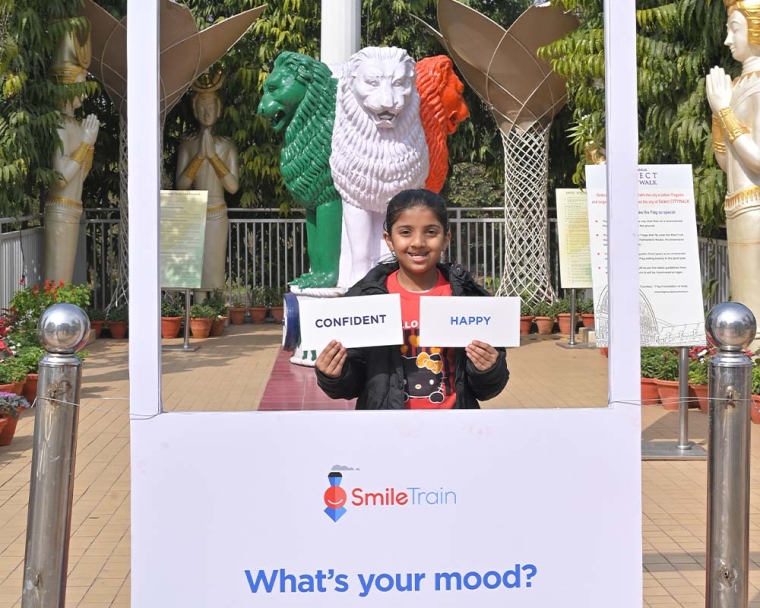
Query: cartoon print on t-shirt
[(423, 377)]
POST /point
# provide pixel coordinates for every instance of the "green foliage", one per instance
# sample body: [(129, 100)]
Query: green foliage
[(217, 301), (678, 42), (698, 371), (202, 311), (29, 358), (756, 378), (119, 314), (29, 100), (11, 370), (660, 363), (259, 297), (542, 309), (273, 295)]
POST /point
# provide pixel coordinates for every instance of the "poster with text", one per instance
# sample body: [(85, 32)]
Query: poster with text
[(574, 244), (670, 286), (183, 230)]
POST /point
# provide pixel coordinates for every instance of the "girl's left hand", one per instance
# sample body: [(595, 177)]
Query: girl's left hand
[(482, 355)]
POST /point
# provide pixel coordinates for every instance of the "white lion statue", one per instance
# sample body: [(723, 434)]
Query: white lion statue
[(378, 150)]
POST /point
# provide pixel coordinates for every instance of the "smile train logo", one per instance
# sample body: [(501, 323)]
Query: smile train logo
[(335, 496)]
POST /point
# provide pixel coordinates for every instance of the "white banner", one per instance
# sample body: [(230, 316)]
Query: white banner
[(574, 244), (670, 286), (529, 508), (450, 321)]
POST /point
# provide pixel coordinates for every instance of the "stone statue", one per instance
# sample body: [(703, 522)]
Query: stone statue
[(378, 149), (299, 99), (63, 206), (209, 162), (442, 108), (736, 138)]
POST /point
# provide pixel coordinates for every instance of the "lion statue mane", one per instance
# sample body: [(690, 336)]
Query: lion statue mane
[(378, 148), (442, 108)]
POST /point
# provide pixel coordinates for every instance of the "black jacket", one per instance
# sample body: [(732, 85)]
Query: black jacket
[(375, 374)]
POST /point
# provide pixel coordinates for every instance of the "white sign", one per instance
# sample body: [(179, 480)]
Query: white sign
[(450, 321), (670, 287), (574, 245), (183, 234), (377, 509), (354, 322)]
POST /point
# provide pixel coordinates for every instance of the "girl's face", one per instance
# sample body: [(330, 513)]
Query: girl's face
[(417, 239)]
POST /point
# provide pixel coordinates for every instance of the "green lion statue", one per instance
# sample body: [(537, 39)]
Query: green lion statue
[(299, 98)]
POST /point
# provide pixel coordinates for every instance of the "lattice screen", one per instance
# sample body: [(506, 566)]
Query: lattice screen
[(526, 174), (121, 293)]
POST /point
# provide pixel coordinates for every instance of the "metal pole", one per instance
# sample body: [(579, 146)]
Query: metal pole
[(730, 326), (62, 330), (186, 332), (683, 399), (572, 317)]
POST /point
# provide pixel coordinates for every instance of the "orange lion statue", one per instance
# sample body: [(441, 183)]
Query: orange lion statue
[(442, 108)]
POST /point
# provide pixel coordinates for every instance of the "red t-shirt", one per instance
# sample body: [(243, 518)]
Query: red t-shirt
[(428, 372)]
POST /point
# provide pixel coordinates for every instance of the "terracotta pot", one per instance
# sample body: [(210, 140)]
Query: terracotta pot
[(277, 313), (588, 319), (754, 409), (237, 315), (258, 313), (30, 387), (668, 390), (649, 393), (200, 328), (3, 422), (14, 387), (170, 327), (545, 325), (700, 392), (98, 327), (525, 325), (217, 326), (564, 322), (8, 430), (604, 351), (118, 329)]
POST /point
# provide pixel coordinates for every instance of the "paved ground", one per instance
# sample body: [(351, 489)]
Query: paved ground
[(218, 376)]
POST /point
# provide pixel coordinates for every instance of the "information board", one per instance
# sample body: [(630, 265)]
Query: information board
[(574, 243), (670, 286), (183, 230)]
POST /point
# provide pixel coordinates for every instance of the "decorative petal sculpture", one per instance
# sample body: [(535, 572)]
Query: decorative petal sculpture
[(501, 65), (185, 52)]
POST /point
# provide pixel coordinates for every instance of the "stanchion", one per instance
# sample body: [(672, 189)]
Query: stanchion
[(62, 330), (185, 346), (730, 327), (683, 449)]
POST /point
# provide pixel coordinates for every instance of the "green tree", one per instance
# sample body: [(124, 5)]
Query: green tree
[(29, 100), (677, 43)]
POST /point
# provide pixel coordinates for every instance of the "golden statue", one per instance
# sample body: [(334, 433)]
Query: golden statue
[(63, 206), (736, 142), (209, 162)]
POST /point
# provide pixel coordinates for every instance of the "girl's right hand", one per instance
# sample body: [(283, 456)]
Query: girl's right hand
[(331, 360)]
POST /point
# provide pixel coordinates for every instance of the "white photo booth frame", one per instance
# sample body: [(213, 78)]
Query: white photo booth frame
[(539, 506)]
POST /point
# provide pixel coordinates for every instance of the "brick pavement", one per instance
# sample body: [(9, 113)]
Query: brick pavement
[(230, 373)]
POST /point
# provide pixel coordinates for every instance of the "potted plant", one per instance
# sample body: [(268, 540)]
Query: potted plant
[(117, 319), (526, 318), (217, 301), (586, 309), (201, 317), (274, 303), (664, 365), (543, 317), (258, 307), (755, 405), (29, 357), (560, 309), (699, 370), (12, 375), (171, 319), (97, 320), (11, 406)]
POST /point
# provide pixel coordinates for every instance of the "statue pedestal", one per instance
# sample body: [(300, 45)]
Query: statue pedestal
[(291, 338)]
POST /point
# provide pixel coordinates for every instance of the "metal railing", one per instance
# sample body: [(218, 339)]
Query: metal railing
[(269, 250)]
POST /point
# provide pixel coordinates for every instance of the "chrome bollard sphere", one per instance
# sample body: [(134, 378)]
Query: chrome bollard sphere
[(730, 326), (63, 329)]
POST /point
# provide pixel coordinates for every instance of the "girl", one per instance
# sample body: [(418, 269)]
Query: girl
[(409, 376)]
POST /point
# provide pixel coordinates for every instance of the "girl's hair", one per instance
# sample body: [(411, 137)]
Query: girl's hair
[(408, 199)]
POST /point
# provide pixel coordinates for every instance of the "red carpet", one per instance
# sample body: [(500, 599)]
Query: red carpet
[(294, 387)]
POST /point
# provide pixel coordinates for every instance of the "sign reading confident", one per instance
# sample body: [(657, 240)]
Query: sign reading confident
[(360, 321), (458, 321)]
